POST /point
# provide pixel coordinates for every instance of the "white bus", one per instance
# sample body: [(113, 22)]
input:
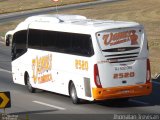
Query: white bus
[(82, 58)]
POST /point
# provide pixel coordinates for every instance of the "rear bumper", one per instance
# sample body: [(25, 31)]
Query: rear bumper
[(122, 91)]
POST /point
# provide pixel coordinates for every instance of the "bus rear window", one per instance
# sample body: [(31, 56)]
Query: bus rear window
[(120, 40)]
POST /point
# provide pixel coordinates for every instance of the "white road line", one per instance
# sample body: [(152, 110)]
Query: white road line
[(3, 70), (139, 102), (49, 105)]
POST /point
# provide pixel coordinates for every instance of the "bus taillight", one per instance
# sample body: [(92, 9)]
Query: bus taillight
[(96, 76), (148, 75)]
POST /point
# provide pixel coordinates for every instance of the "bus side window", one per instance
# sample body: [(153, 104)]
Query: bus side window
[(82, 44), (35, 39), (63, 42), (13, 51), (19, 44)]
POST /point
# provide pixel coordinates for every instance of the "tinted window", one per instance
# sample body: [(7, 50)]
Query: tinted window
[(82, 44), (19, 44), (71, 43), (35, 39)]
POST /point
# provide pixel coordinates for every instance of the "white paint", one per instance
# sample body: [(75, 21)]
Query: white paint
[(139, 102), (49, 105), (3, 70)]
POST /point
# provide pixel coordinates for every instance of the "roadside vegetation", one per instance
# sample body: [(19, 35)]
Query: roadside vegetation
[(146, 12), (7, 6)]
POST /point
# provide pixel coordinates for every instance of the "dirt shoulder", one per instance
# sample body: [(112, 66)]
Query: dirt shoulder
[(9, 6)]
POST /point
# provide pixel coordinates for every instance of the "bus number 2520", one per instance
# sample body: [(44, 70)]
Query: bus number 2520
[(123, 75)]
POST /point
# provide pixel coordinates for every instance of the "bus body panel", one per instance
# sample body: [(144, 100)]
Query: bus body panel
[(117, 67), (122, 74), (60, 75), (122, 63)]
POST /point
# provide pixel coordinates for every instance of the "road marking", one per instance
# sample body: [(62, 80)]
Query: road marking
[(3, 70), (49, 105), (158, 83), (140, 102)]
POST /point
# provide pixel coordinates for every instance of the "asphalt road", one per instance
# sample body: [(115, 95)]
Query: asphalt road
[(42, 104)]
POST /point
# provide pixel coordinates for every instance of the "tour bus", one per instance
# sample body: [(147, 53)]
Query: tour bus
[(83, 58)]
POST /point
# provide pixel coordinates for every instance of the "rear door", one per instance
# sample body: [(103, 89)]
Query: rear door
[(124, 54)]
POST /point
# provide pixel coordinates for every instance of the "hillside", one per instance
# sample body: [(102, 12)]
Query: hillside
[(7, 6)]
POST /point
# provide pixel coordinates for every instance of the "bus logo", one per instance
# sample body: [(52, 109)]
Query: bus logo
[(41, 67), (121, 37)]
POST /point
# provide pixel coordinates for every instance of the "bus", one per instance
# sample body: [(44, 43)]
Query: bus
[(86, 59)]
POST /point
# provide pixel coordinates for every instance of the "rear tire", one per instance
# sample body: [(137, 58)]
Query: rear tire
[(29, 86), (73, 94)]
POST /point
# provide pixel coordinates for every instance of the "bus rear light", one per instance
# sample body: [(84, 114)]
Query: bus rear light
[(96, 77), (148, 74)]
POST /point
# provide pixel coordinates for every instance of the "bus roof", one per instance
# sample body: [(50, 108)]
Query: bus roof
[(74, 22)]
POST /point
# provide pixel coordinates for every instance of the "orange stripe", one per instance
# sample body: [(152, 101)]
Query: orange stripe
[(122, 91)]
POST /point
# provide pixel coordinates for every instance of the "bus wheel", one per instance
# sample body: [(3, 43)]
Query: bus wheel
[(29, 86), (73, 94)]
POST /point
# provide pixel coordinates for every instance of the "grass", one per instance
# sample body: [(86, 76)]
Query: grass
[(7, 6), (146, 12)]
